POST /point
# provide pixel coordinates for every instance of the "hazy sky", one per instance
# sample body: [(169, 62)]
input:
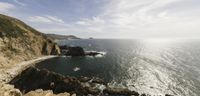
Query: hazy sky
[(109, 18)]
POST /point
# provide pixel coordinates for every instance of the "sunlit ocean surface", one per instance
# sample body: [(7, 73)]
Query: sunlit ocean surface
[(154, 66)]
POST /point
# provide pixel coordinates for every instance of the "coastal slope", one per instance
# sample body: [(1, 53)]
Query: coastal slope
[(20, 42), (61, 37)]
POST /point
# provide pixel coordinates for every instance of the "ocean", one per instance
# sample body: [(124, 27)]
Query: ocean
[(152, 66)]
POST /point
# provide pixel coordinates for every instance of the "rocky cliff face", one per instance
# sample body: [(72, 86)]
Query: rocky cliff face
[(19, 42)]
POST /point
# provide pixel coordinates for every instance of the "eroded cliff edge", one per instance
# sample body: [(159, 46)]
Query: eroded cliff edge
[(20, 42)]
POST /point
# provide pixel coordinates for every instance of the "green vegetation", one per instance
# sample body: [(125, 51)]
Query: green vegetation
[(8, 29), (11, 27)]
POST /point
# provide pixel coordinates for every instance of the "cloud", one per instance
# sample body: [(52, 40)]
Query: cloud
[(49, 30), (39, 19), (136, 12), (81, 23), (55, 19), (4, 7), (141, 19), (20, 3), (45, 19), (128, 19), (91, 21)]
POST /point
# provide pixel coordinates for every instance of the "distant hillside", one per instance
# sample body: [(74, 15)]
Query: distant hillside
[(61, 37), (19, 42)]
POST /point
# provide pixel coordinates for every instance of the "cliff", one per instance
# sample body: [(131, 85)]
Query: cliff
[(20, 42)]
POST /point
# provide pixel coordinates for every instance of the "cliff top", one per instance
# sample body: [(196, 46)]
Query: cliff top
[(12, 27)]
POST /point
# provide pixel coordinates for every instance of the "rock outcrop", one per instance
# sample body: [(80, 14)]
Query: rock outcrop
[(33, 78), (77, 51), (50, 48)]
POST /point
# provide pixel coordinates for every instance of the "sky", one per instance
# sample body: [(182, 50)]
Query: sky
[(109, 18)]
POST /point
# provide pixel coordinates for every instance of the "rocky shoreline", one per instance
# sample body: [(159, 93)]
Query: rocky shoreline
[(8, 73), (26, 80), (33, 78)]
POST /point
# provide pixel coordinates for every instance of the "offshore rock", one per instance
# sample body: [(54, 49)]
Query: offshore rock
[(75, 51)]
